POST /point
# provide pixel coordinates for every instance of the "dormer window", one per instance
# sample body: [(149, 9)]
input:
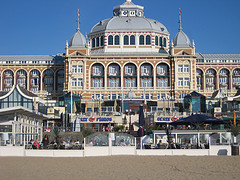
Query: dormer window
[(132, 40), (126, 40), (110, 40), (116, 40), (93, 43), (141, 40), (148, 40)]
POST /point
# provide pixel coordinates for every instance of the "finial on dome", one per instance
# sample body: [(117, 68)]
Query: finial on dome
[(180, 19), (78, 21), (128, 0), (193, 43)]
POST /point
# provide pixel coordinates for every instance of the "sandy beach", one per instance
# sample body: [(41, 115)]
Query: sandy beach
[(121, 167)]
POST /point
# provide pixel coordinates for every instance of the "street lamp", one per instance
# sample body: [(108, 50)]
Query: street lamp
[(65, 119)]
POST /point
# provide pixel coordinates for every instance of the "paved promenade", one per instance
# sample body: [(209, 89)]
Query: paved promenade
[(121, 167)]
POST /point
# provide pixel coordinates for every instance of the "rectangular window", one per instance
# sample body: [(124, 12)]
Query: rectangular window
[(97, 83), (113, 70), (162, 82), (74, 82), (163, 96), (158, 96), (186, 82), (97, 70), (180, 68), (80, 69), (130, 83), (74, 68), (146, 83), (147, 96), (129, 70), (118, 96), (186, 68), (109, 96), (113, 83), (114, 96), (80, 82), (180, 81), (162, 70)]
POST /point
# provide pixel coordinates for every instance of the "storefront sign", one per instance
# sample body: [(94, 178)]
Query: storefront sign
[(93, 119), (166, 119), (161, 119)]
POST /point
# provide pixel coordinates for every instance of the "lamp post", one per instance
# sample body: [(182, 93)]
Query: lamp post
[(65, 119), (210, 107)]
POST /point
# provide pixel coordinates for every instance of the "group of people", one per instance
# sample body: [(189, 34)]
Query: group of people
[(45, 143), (37, 145)]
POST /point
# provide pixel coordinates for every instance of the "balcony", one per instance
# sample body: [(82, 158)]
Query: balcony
[(223, 74), (113, 75), (21, 76), (210, 84), (8, 76), (199, 75), (148, 74), (34, 75), (236, 83), (95, 75), (236, 74), (8, 85), (209, 75), (163, 74), (223, 84), (34, 85), (130, 75)]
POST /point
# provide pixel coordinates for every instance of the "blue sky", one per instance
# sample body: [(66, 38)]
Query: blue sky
[(38, 27)]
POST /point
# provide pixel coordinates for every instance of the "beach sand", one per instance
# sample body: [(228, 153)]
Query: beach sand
[(121, 167)]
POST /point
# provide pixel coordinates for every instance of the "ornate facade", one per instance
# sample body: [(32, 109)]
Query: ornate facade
[(125, 53)]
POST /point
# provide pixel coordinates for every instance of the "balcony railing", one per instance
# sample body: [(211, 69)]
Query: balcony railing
[(210, 84), (223, 84), (209, 74)]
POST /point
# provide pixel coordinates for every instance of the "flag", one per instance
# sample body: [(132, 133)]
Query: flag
[(78, 12), (180, 11)]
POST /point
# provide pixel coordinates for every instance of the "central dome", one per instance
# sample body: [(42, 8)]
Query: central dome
[(129, 24), (129, 16), (129, 31)]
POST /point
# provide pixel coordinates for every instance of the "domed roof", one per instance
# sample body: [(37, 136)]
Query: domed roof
[(129, 17), (78, 40), (129, 23), (181, 40)]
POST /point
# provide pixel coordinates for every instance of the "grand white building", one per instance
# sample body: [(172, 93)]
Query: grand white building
[(125, 53)]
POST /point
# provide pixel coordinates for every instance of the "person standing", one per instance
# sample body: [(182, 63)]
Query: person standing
[(45, 142)]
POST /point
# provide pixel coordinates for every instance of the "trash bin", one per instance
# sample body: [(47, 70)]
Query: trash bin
[(235, 150)]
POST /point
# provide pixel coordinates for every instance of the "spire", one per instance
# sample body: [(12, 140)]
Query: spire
[(78, 21), (180, 20)]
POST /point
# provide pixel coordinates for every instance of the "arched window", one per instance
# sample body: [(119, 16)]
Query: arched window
[(164, 42), (116, 40), (126, 40), (110, 40), (160, 41), (93, 43), (148, 40), (97, 42), (156, 41), (132, 40), (102, 40), (141, 40)]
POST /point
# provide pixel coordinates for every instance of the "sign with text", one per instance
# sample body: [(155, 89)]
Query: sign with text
[(166, 119), (93, 119)]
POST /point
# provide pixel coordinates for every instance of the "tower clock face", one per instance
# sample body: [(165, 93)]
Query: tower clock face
[(132, 13), (125, 13), (139, 13)]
